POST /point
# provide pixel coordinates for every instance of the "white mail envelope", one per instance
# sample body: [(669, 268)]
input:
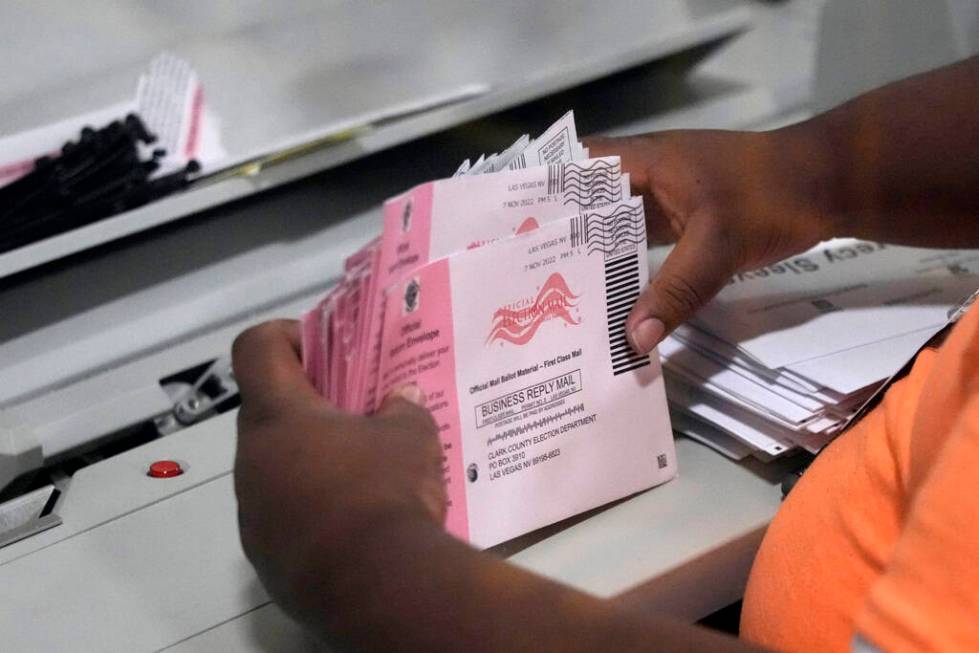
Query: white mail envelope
[(543, 409), (840, 295)]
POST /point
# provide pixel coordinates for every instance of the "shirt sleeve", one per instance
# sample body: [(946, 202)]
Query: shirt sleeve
[(928, 596)]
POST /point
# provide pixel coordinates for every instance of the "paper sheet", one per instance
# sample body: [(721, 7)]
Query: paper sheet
[(824, 302)]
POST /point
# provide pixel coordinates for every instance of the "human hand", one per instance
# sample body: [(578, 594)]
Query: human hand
[(313, 482), (341, 516), (732, 202)]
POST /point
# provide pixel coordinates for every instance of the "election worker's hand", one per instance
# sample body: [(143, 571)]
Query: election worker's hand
[(313, 481), (732, 202)]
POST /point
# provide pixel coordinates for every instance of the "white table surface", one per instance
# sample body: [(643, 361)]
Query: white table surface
[(144, 564)]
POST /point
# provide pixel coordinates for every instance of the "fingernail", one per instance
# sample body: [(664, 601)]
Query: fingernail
[(411, 393), (647, 335)]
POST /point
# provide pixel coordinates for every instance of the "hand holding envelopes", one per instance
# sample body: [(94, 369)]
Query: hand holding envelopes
[(504, 297)]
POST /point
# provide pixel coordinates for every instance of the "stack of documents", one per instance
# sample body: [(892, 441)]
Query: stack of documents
[(502, 293), (786, 356)]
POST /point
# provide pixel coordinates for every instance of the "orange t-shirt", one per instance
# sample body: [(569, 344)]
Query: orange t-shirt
[(880, 537)]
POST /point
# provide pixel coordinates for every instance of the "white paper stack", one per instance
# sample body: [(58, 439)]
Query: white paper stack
[(786, 356)]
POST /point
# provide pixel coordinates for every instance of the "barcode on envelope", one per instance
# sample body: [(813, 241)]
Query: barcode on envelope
[(579, 229), (555, 178), (621, 291)]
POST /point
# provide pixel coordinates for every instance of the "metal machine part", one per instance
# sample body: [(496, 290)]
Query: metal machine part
[(212, 391), (198, 393), (28, 515)]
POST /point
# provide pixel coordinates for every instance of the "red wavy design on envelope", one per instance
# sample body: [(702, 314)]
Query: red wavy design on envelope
[(527, 225), (554, 300)]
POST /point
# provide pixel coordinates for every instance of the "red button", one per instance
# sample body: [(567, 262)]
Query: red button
[(165, 469)]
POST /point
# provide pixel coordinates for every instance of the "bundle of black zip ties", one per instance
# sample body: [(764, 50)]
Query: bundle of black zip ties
[(97, 176)]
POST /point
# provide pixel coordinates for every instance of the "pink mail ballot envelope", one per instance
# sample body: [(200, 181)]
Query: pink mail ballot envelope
[(543, 409), (442, 217)]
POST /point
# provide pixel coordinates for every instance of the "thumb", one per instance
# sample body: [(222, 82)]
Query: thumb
[(696, 270), (405, 402), (405, 407)]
